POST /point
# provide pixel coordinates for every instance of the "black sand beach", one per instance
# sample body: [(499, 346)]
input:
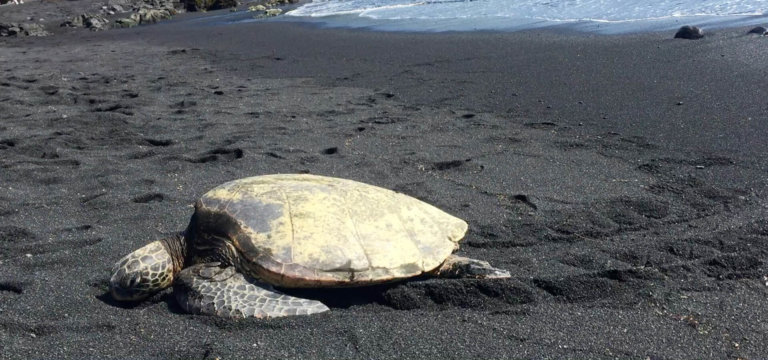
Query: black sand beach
[(621, 179)]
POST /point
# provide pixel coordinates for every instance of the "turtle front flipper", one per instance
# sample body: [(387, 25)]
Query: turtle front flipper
[(462, 267), (213, 289)]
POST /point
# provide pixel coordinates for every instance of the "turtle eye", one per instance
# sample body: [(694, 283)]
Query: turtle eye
[(128, 281), (134, 280), (128, 287)]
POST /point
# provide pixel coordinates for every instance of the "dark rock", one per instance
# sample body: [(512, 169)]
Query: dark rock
[(148, 12), (151, 16), (689, 32), (93, 22), (126, 22), (76, 21), (159, 4), (9, 29), (143, 12), (34, 30), (96, 22), (281, 2), (14, 29), (759, 30), (268, 8), (112, 9), (205, 5)]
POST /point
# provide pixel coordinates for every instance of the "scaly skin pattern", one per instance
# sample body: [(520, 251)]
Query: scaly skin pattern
[(142, 273), (210, 289), (462, 267)]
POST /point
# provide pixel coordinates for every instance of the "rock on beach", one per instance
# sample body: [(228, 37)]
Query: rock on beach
[(689, 32)]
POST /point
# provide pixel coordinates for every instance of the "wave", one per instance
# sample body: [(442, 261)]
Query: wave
[(550, 10)]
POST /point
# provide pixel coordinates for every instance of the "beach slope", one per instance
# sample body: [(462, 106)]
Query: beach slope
[(621, 180)]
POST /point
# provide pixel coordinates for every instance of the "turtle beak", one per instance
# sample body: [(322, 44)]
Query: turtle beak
[(121, 294), (123, 287)]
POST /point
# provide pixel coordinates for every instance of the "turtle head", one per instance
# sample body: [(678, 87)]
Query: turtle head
[(146, 270)]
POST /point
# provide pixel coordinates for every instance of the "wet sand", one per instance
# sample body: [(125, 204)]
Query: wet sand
[(619, 178)]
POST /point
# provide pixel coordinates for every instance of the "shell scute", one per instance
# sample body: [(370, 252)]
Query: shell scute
[(308, 230)]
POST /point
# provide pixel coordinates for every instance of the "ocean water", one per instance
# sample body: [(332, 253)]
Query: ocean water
[(605, 16)]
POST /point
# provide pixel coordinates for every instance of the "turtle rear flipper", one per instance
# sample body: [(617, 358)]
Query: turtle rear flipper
[(462, 267), (213, 289)]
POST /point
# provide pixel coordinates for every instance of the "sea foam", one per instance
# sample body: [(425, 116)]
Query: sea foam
[(593, 15)]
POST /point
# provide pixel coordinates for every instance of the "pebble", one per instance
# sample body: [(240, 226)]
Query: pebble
[(759, 30), (689, 32)]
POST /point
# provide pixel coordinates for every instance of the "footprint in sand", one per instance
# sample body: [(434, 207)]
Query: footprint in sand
[(159, 142), (330, 151), (449, 164), (218, 154), (15, 287), (49, 89), (149, 198), (7, 144)]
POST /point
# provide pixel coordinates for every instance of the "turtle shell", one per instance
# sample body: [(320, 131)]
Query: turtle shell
[(299, 230)]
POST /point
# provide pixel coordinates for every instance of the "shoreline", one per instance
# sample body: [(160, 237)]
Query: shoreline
[(629, 27), (621, 179)]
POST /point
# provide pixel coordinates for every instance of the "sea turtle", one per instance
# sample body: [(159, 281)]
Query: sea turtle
[(294, 230)]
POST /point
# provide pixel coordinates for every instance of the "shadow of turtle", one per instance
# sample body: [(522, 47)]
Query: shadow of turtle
[(344, 298), (427, 293), (165, 296)]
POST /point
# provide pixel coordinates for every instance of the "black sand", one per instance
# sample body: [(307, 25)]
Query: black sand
[(620, 178)]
